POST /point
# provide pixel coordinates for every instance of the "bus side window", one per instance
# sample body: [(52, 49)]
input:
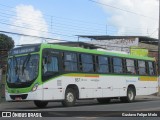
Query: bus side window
[(70, 61), (142, 67), (130, 66), (87, 63), (117, 65), (103, 64), (50, 64), (151, 68)]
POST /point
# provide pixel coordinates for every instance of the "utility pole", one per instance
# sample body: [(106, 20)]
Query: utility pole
[(159, 43), (159, 51)]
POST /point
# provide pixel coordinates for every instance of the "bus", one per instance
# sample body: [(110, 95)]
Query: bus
[(46, 72)]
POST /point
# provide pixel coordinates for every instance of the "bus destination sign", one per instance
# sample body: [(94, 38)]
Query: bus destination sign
[(24, 50)]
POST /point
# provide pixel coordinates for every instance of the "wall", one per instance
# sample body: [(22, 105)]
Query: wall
[(116, 44)]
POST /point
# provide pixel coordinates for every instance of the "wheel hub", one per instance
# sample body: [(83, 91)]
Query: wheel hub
[(70, 97), (131, 95)]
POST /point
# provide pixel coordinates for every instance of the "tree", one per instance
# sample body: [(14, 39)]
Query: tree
[(6, 42)]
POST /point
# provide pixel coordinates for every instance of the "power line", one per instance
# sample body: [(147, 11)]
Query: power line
[(67, 26), (55, 24), (68, 29), (5, 15), (59, 28), (35, 29), (12, 13), (72, 26), (73, 20), (46, 38), (153, 32), (86, 30), (54, 16), (124, 10)]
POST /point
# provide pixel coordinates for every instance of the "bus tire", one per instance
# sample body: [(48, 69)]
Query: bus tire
[(40, 104), (70, 98), (103, 100), (130, 96)]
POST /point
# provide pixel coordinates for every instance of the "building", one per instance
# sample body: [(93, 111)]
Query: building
[(118, 43), (125, 43)]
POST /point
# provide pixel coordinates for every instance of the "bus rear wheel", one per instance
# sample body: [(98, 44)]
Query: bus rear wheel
[(103, 100), (70, 98), (130, 96), (40, 104)]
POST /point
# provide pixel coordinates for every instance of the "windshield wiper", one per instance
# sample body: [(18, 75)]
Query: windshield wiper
[(25, 63), (16, 67)]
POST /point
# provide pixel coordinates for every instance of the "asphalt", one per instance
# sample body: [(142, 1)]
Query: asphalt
[(80, 103), (91, 108)]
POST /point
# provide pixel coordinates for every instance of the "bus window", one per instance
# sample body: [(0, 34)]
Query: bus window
[(87, 63), (50, 65), (103, 66), (130, 66), (70, 61), (142, 67), (151, 68), (117, 65)]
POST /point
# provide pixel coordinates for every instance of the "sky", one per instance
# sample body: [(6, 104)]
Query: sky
[(64, 20)]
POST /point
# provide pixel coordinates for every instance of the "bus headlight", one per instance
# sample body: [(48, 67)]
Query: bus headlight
[(35, 87)]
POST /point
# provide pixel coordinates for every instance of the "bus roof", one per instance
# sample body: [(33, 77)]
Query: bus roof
[(83, 50)]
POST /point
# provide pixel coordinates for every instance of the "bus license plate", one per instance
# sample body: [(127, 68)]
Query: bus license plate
[(18, 98)]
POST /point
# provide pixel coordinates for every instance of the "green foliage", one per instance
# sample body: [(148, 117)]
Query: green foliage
[(6, 42)]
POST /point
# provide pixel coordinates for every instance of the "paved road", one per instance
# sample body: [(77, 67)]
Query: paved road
[(143, 103)]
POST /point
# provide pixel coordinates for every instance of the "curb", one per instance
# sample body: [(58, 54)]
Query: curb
[(148, 97)]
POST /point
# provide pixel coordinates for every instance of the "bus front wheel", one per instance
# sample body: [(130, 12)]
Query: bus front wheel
[(70, 98), (130, 96), (40, 104)]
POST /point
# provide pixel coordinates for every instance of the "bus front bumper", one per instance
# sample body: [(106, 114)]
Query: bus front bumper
[(36, 95)]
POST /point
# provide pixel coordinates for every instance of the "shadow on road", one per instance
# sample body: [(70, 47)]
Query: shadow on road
[(80, 103)]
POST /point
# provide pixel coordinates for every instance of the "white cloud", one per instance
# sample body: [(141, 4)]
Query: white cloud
[(131, 24), (28, 17)]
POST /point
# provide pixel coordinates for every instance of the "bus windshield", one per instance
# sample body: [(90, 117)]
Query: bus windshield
[(22, 69)]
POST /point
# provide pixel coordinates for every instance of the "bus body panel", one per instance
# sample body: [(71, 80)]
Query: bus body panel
[(102, 86)]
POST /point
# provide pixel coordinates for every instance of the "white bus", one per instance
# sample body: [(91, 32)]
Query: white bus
[(48, 72)]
